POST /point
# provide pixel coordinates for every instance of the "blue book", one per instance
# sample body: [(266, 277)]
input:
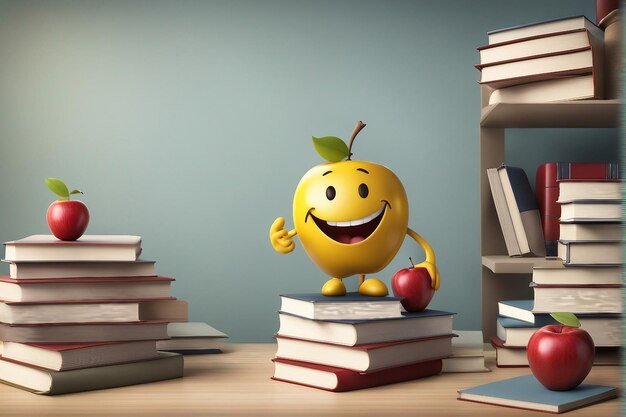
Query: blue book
[(348, 307), (523, 310), (523, 209), (527, 393)]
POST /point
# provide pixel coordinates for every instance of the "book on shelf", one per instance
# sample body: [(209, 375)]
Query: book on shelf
[(351, 306), (521, 206), (540, 28), (62, 311), (467, 353), (547, 179), (557, 65), (192, 337), (527, 393), (44, 381), (69, 269), (520, 310), (582, 275), (83, 332), (540, 45), (590, 231), (515, 356), (63, 357), (581, 252), (525, 310), (332, 378), (357, 332), (87, 289), (581, 211), (580, 87), (86, 248), (589, 299), (368, 357), (172, 310), (604, 329), (573, 190)]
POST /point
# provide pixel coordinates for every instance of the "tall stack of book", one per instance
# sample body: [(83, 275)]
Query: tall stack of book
[(553, 60), (70, 315), (354, 342), (589, 283)]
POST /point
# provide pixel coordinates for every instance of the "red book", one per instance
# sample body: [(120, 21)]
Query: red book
[(547, 191), (336, 379)]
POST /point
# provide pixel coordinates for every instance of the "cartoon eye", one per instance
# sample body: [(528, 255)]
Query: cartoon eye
[(330, 192), (363, 190)]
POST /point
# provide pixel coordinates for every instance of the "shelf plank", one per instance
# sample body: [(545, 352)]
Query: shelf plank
[(503, 264), (567, 114)]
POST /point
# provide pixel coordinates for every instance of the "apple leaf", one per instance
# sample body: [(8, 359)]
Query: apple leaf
[(58, 187), (567, 319), (76, 192), (331, 148)]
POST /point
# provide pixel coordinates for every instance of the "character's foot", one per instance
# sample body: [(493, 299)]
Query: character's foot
[(373, 287), (334, 287)]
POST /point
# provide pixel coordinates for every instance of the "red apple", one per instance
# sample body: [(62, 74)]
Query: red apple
[(560, 357), (67, 219), (414, 286)]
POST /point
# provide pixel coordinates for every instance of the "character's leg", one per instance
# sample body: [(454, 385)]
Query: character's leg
[(372, 287), (334, 287)]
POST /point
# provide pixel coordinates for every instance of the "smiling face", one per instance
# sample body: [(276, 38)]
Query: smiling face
[(351, 216)]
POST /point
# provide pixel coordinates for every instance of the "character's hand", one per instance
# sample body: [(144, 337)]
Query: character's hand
[(433, 271), (280, 238)]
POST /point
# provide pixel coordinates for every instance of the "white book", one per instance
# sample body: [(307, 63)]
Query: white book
[(68, 312)]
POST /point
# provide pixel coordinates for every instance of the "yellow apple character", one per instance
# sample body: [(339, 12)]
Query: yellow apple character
[(351, 217)]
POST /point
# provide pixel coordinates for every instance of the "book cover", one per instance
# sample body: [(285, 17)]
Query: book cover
[(349, 306), (578, 87), (547, 180), (332, 378), (526, 392), (523, 209), (86, 248), (502, 210), (47, 382), (582, 253), (540, 28), (365, 358), (85, 289), (67, 269), (410, 325)]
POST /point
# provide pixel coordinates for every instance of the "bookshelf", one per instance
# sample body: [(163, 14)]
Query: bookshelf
[(503, 277)]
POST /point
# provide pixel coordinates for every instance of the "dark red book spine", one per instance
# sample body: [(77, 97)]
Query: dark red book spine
[(547, 191)]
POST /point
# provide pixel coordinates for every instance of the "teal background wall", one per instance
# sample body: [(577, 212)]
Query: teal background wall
[(189, 123)]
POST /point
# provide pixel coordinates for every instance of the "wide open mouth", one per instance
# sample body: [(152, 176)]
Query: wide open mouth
[(352, 231)]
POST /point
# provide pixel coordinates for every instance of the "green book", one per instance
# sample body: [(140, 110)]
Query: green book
[(44, 381), (527, 393)]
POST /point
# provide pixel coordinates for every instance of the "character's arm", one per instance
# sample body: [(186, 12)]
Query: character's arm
[(280, 238), (429, 263)]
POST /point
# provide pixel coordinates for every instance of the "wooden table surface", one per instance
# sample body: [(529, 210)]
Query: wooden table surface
[(238, 383)]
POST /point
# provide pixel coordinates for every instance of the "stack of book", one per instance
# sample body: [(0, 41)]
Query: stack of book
[(589, 282), (554, 60), (354, 342), (547, 180), (70, 315)]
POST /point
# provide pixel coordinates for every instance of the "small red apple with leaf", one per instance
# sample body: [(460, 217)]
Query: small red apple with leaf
[(67, 219), (561, 356)]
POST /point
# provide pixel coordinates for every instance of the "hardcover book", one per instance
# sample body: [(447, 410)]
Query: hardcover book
[(67, 269), (190, 337), (62, 312), (351, 306), (86, 248), (580, 252), (337, 379), (540, 28), (526, 392), (588, 299), (43, 381), (357, 332)]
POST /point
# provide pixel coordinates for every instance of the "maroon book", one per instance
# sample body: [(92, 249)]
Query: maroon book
[(336, 379), (547, 191)]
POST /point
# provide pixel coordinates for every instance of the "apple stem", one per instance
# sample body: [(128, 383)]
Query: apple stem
[(412, 264), (359, 126)]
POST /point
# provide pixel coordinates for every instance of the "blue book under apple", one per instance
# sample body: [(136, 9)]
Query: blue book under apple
[(527, 393)]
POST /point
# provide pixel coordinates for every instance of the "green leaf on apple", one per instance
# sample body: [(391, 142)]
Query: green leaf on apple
[(58, 187), (567, 319), (76, 192), (331, 148)]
